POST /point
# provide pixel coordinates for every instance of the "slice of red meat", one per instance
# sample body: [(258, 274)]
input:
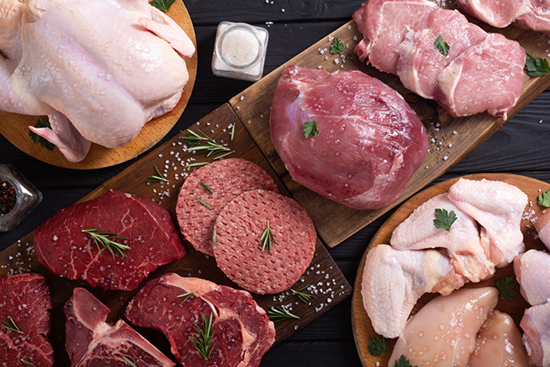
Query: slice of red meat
[(93, 343), (384, 24), (239, 251), (370, 141), (420, 62), (485, 77), (242, 332), (65, 250), (24, 304), (226, 179)]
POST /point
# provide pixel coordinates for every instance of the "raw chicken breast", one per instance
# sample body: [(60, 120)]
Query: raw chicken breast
[(462, 243), (370, 141), (536, 334), (543, 229), (443, 332), (499, 343), (532, 271), (497, 207), (98, 81), (394, 280)]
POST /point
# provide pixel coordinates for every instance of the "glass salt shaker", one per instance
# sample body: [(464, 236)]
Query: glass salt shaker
[(18, 197), (239, 52)]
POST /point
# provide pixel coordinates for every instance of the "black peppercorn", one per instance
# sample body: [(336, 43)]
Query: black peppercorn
[(8, 196)]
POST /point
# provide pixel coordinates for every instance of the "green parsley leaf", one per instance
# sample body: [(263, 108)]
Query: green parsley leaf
[(536, 66), (337, 46), (442, 46), (349, 56), (310, 128), (162, 5), (443, 219), (403, 362), (506, 289), (37, 139), (377, 346), (544, 199)]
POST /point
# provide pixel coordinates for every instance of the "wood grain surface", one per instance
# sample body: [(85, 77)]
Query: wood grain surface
[(362, 327), (450, 139), (15, 127), (331, 286)]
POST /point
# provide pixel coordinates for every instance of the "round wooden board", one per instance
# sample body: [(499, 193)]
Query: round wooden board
[(362, 327), (15, 127)]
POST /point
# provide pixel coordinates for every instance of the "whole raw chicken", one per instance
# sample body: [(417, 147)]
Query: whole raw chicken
[(100, 69)]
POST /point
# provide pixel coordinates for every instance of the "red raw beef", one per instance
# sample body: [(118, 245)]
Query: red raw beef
[(370, 141), (242, 332), (93, 343), (25, 301), (65, 250)]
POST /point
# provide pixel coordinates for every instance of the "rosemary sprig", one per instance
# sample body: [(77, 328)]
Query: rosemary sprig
[(203, 342), (202, 142), (304, 297), (186, 296), (233, 131), (215, 239), (159, 178), (10, 325), (196, 164), (206, 187), (106, 239), (129, 361), (224, 155), (203, 203), (267, 239), (279, 313), (27, 363)]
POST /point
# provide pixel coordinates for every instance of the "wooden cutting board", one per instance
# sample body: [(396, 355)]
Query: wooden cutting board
[(171, 159), (450, 139), (362, 327), (15, 127)]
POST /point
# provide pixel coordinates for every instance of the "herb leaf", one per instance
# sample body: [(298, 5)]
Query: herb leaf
[(186, 296), (403, 362), (106, 239), (233, 131), (442, 46), (304, 297), (129, 361), (443, 219), (377, 346), (310, 128), (162, 5), (267, 239), (206, 187), (27, 363), (158, 178), (203, 202), (536, 66), (544, 199), (505, 288), (202, 142), (203, 342), (10, 325), (279, 313), (37, 139), (337, 46)]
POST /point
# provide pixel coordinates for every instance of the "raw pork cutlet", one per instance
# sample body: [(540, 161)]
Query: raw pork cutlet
[(241, 330), (65, 250), (226, 180), (240, 228), (24, 304), (91, 342)]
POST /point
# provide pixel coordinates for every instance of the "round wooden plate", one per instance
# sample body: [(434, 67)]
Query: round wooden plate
[(15, 127), (362, 327)]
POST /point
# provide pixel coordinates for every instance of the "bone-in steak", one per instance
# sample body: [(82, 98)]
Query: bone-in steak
[(65, 250)]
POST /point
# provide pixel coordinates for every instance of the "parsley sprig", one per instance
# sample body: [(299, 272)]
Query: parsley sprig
[(279, 313), (377, 346), (310, 128), (37, 139), (106, 239), (203, 343), (443, 219), (442, 46), (303, 296), (10, 325), (536, 66), (267, 239), (544, 199), (337, 46), (403, 362), (162, 5), (505, 288)]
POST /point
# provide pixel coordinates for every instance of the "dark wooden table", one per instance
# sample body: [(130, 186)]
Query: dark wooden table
[(520, 147)]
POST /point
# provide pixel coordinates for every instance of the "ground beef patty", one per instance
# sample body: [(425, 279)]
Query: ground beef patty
[(238, 247), (227, 179)]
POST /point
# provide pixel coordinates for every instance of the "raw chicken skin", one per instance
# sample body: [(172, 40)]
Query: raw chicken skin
[(532, 271), (394, 280), (536, 334), (443, 332), (497, 207), (499, 343), (543, 229), (462, 243), (98, 81)]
